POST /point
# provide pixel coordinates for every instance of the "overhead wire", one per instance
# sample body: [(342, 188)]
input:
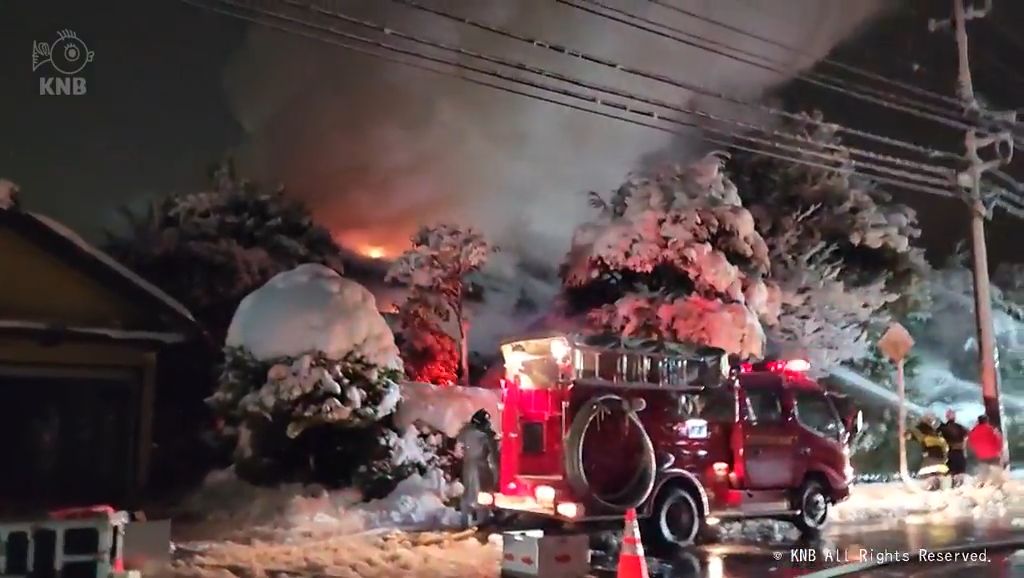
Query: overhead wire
[(619, 106), (860, 71), (677, 83), (634, 22), (994, 122), (947, 173)]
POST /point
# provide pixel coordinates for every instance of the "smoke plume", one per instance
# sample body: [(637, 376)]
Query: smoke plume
[(378, 149)]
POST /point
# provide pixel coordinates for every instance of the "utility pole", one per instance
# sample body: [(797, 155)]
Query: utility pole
[(970, 181)]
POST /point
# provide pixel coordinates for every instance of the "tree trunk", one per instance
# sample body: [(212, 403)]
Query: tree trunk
[(464, 345)]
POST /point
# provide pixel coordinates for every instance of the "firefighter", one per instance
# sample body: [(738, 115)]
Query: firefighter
[(987, 445), (954, 434), (933, 451)]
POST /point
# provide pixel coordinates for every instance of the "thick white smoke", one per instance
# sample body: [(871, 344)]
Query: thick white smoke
[(378, 148)]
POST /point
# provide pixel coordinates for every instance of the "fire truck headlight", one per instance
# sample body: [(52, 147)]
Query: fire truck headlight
[(569, 510), (544, 494), (485, 499)]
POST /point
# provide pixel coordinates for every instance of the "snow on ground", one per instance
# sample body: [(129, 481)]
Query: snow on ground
[(395, 555), (897, 501), (312, 308), (445, 409), (230, 528), (230, 509)]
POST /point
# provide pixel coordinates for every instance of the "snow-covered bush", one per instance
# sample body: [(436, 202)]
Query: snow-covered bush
[(310, 390), (436, 269), (210, 249), (310, 376), (675, 257)]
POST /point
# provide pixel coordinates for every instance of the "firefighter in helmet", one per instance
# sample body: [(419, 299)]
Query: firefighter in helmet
[(934, 452)]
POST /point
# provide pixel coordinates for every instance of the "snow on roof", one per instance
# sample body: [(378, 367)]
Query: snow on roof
[(100, 332), (312, 308), (109, 262)]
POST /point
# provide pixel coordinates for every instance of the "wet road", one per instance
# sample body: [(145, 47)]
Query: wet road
[(846, 545)]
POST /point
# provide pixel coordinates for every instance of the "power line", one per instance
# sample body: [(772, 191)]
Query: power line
[(582, 5), (948, 174), (618, 106), (814, 78), (932, 153), (829, 61)]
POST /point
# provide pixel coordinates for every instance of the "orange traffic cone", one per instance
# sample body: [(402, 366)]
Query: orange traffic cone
[(632, 563)]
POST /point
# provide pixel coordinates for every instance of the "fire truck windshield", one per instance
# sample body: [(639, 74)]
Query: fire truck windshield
[(537, 363)]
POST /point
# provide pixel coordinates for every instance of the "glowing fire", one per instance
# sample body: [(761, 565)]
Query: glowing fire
[(374, 252)]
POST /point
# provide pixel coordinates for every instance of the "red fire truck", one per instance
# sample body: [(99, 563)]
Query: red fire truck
[(591, 427)]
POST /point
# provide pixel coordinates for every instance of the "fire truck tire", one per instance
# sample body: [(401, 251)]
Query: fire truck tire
[(812, 508), (639, 488), (676, 519)]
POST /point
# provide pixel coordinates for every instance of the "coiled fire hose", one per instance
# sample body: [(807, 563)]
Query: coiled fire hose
[(642, 483)]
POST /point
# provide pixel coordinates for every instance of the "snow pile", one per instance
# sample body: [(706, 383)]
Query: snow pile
[(444, 409), (230, 508), (8, 194), (417, 503), (312, 308), (895, 501)]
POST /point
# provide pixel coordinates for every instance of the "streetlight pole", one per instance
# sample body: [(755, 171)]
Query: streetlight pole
[(970, 179)]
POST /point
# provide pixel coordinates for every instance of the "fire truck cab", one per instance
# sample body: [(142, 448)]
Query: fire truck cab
[(592, 427)]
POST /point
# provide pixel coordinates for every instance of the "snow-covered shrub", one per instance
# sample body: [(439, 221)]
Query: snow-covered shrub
[(311, 386), (310, 377), (308, 390), (674, 256), (436, 269)]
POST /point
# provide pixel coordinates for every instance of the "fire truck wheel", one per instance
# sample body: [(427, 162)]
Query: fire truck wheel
[(676, 518), (812, 508)]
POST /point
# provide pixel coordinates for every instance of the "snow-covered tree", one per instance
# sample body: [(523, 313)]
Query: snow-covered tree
[(842, 253), (210, 249), (437, 270), (675, 257), (308, 359)]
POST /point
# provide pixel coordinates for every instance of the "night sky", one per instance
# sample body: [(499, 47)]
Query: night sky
[(156, 112)]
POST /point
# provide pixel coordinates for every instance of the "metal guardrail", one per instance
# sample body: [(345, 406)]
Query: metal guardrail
[(858, 567)]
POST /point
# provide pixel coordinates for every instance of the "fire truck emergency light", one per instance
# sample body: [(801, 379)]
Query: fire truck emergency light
[(778, 366)]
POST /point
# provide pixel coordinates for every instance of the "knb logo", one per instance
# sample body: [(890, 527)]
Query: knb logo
[(67, 55)]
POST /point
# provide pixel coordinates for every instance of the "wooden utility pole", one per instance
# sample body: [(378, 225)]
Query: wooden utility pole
[(970, 180)]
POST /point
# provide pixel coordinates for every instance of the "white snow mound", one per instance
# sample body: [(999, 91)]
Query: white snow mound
[(445, 409), (236, 510), (313, 308)]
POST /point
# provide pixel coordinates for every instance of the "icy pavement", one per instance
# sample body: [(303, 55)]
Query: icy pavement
[(398, 555)]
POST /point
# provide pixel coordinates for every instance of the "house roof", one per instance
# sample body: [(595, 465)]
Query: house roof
[(75, 250)]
